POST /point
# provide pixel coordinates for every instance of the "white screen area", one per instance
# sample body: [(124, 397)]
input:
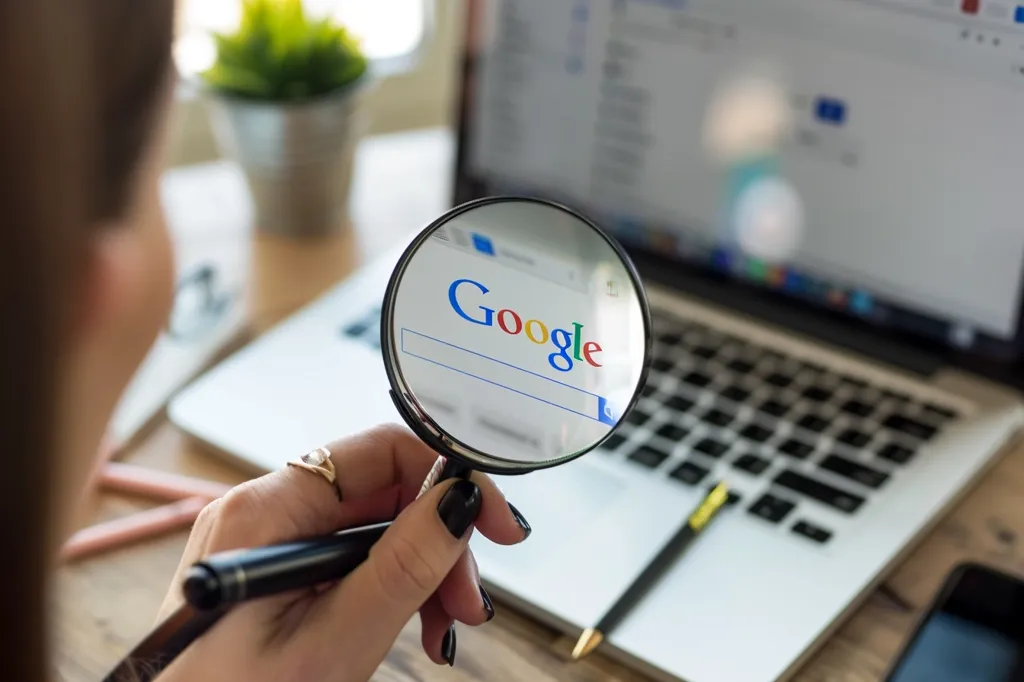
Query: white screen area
[(903, 128), (525, 350)]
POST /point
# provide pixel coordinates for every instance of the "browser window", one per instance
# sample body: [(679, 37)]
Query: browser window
[(893, 125)]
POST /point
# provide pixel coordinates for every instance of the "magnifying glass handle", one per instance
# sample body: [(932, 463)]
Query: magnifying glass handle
[(453, 468)]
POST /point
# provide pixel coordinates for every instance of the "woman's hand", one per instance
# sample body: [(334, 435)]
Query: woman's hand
[(342, 633)]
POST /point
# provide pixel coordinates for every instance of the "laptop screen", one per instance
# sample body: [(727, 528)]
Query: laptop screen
[(860, 156)]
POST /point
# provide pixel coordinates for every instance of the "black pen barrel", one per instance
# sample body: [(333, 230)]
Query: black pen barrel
[(650, 576), (234, 577)]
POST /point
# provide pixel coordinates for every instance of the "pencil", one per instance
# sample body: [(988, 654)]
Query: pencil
[(160, 485), (673, 549), (140, 526)]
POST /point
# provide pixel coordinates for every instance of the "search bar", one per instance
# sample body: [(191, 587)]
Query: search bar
[(504, 375)]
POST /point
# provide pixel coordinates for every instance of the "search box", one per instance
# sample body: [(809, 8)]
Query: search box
[(504, 375)]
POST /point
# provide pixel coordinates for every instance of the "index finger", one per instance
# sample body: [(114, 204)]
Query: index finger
[(293, 503)]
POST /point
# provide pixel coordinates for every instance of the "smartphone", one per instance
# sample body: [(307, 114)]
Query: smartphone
[(972, 632)]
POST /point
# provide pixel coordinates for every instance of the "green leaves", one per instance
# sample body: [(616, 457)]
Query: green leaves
[(279, 53)]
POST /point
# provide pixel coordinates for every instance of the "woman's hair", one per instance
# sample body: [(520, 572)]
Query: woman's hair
[(82, 84)]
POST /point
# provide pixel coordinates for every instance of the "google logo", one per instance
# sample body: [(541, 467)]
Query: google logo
[(512, 323)]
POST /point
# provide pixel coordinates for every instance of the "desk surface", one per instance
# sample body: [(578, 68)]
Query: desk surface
[(108, 603)]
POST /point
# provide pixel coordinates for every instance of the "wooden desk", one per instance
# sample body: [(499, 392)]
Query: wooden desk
[(106, 604)]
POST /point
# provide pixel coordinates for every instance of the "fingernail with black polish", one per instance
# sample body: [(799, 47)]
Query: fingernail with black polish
[(459, 507), (521, 520), (488, 605), (448, 646)]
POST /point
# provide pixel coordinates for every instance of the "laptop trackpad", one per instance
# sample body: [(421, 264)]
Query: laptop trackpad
[(557, 502)]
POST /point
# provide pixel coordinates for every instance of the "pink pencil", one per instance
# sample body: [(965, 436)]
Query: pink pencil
[(161, 485), (105, 453), (140, 526)]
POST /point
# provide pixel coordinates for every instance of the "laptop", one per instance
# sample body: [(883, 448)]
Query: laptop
[(849, 394)]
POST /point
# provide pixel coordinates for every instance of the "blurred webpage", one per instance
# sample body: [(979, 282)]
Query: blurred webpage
[(902, 139)]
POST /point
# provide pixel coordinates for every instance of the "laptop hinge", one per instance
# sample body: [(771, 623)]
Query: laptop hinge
[(823, 326)]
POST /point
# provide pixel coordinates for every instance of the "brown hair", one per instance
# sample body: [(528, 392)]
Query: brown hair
[(81, 83)]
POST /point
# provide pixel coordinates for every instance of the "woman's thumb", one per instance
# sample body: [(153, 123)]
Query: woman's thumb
[(406, 566)]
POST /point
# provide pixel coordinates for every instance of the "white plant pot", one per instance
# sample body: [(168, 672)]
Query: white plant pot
[(297, 157)]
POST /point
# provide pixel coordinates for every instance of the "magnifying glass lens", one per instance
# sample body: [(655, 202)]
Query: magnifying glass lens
[(518, 331)]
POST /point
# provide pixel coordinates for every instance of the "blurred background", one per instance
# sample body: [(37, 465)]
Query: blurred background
[(412, 42)]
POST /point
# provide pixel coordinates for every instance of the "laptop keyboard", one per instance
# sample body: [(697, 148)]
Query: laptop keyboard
[(811, 435), (366, 329), (805, 434)]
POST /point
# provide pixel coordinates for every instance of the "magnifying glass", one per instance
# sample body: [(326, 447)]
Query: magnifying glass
[(516, 334)]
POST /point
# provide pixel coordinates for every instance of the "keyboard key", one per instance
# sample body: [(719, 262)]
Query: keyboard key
[(796, 448), (355, 330), (895, 395), (717, 417), (813, 422), (934, 410), (737, 394), (662, 365), (858, 408), (670, 338), (679, 403), (637, 417), (817, 394), (779, 380), (706, 352), (771, 508), (809, 530), (752, 464), (896, 453), (740, 366), (911, 427), (854, 471), (614, 441), (733, 498), (648, 456), (673, 432), (822, 492), (852, 382), (854, 438), (774, 408), (698, 379), (756, 433), (711, 447), (689, 473)]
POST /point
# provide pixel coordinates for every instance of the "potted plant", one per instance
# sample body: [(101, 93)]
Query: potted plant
[(283, 96)]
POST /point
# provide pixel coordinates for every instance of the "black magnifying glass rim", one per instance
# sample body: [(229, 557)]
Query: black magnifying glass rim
[(418, 419)]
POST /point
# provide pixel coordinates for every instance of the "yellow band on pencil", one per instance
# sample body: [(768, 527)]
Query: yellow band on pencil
[(711, 504)]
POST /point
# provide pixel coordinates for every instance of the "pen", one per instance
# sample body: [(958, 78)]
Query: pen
[(219, 582), (228, 578), (673, 549), (222, 580)]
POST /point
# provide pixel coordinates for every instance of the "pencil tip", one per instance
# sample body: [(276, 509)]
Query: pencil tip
[(588, 641)]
